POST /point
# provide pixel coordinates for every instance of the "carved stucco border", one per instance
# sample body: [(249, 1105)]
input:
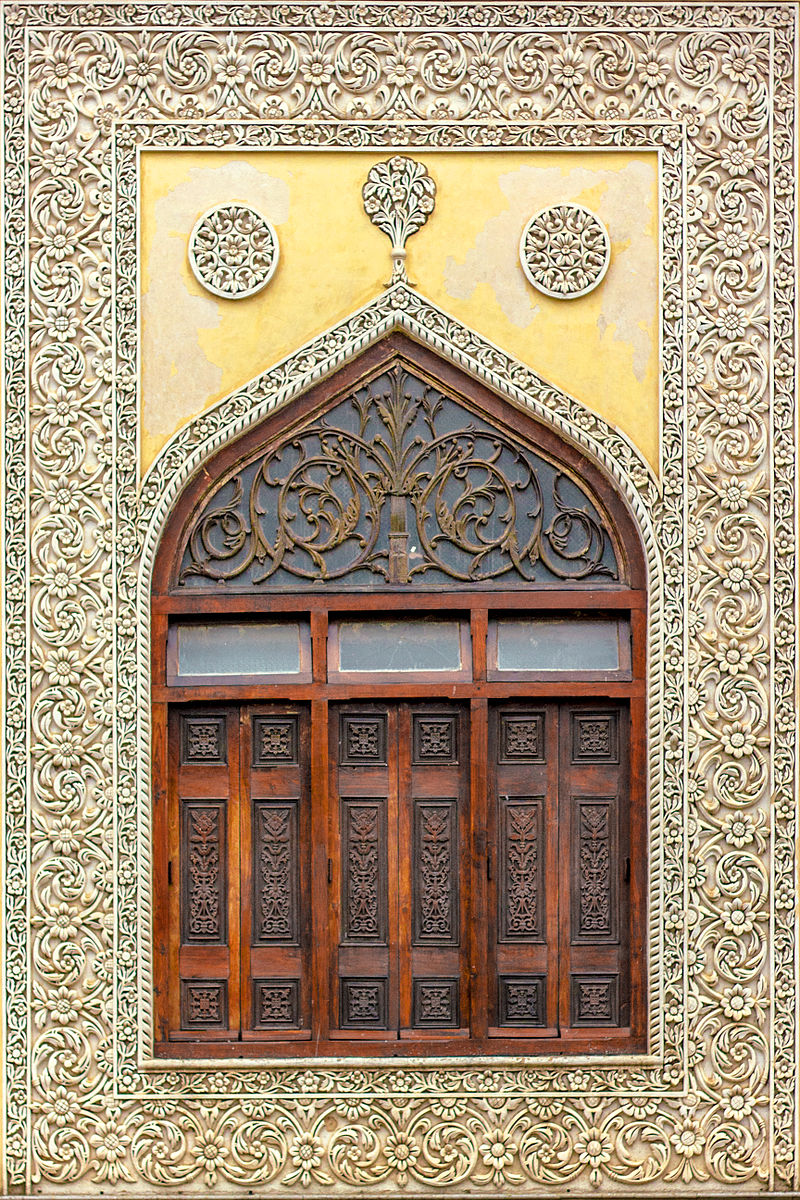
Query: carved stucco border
[(690, 1137)]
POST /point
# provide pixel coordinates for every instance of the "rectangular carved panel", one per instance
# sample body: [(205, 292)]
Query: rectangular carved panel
[(435, 738), (522, 999), (276, 873), (275, 741), (203, 740), (595, 870), (362, 739), (203, 873), (435, 872), (595, 1000), (364, 871), (521, 738), (204, 1004), (276, 1003), (435, 1003), (363, 1003), (521, 915), (595, 737)]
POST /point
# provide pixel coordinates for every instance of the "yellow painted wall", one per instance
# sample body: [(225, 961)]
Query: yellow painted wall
[(601, 348)]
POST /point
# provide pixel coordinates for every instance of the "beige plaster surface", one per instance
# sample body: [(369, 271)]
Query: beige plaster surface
[(601, 348)]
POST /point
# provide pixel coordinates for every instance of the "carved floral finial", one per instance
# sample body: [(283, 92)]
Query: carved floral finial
[(399, 196)]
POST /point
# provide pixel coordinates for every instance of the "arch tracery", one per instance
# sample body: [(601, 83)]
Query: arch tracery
[(400, 498)]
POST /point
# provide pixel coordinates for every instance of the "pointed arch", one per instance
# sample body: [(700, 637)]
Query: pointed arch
[(399, 444), (400, 487)]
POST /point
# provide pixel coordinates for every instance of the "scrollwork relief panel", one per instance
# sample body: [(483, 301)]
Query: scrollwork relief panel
[(711, 86)]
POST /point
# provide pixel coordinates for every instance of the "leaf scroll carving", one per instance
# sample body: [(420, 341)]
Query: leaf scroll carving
[(435, 857), (204, 882), (276, 873), (363, 888), (398, 484)]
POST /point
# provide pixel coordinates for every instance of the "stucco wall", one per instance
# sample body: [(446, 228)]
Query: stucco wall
[(601, 348)]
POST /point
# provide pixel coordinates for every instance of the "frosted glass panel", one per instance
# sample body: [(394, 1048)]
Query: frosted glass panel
[(249, 648), (550, 644), (416, 645)]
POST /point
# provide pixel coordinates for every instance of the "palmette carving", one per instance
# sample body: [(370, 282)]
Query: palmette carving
[(708, 68), (435, 873), (595, 918), (399, 196), (520, 866), (276, 873)]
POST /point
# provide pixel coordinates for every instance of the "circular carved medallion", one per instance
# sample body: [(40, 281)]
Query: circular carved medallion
[(233, 251), (565, 251)]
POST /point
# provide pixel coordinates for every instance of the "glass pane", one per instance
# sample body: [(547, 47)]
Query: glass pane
[(552, 644), (416, 645), (251, 648)]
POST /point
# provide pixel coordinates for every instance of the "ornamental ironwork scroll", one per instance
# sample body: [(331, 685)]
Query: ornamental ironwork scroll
[(399, 484)]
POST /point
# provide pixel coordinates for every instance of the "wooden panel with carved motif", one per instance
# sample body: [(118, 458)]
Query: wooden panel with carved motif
[(434, 832), (276, 914), (595, 866), (364, 851), (204, 872), (521, 865)]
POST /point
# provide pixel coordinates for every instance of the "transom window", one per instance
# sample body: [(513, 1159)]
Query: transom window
[(398, 691)]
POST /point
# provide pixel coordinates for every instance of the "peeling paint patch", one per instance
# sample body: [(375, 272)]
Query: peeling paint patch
[(623, 199), (176, 373)]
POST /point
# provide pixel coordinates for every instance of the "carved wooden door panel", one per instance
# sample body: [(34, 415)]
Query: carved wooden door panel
[(276, 886), (241, 840), (558, 855), (399, 863), (522, 865), (594, 866), (204, 843)]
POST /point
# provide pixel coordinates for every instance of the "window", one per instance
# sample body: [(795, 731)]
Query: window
[(398, 690)]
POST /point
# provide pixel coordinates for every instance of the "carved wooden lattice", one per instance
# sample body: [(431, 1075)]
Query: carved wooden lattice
[(397, 483)]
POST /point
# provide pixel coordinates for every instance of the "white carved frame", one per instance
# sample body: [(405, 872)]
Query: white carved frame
[(717, 1099)]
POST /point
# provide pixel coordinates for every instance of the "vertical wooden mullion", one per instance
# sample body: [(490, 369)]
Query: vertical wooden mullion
[(245, 821), (404, 875), (478, 935), (393, 868), (174, 868), (479, 622), (324, 896), (236, 788), (560, 920), (161, 893), (319, 645)]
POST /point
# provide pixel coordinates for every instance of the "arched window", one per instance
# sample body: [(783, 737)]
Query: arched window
[(399, 646)]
